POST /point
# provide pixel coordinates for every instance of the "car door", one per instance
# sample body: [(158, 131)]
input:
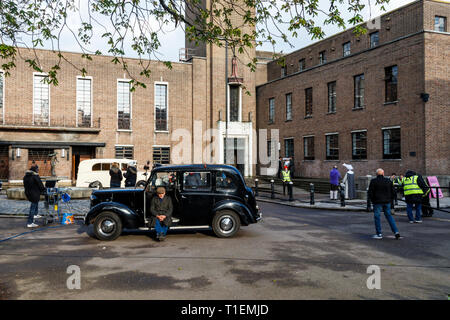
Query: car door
[(197, 198)]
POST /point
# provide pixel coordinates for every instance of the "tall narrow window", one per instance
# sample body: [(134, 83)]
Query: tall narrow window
[(391, 83), (332, 97), (301, 64), (332, 146), (322, 57), (283, 71), (359, 91), (2, 85), (161, 155), (440, 24), (161, 107), (84, 108), (308, 102), (308, 148), (235, 98), (391, 143), (271, 110), (123, 105), (359, 145), (41, 100), (374, 39), (269, 148), (289, 147), (289, 106), (346, 49)]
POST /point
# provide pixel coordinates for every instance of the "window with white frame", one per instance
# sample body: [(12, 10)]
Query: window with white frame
[(124, 152), (332, 146), (161, 113), (84, 102), (161, 155), (289, 106), (123, 105), (41, 100)]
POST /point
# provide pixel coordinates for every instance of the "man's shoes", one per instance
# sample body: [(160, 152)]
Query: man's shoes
[(37, 216), (397, 236), (377, 236), (32, 225), (411, 221), (418, 221), (158, 237), (162, 237)]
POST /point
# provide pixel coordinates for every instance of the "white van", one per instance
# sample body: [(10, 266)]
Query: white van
[(94, 173)]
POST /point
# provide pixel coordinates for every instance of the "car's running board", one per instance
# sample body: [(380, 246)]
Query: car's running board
[(178, 227)]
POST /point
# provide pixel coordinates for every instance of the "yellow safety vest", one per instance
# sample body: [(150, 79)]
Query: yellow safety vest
[(286, 176), (410, 186)]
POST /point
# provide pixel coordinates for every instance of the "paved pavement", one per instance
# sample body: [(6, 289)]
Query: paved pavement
[(293, 253)]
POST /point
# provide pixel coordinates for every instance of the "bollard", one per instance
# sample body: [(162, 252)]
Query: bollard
[(256, 187), (369, 204), (311, 193), (342, 196), (284, 188), (396, 195), (291, 198), (272, 189), (437, 197)]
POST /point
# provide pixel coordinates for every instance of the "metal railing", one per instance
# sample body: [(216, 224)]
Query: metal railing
[(53, 122)]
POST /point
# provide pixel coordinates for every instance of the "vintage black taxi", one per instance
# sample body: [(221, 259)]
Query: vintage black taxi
[(204, 196)]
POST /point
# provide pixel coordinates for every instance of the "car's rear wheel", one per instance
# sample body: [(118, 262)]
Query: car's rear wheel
[(107, 226), (96, 185), (140, 184), (226, 223)]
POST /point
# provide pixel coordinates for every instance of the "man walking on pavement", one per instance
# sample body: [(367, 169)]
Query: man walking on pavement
[(381, 192), (413, 188), (33, 189)]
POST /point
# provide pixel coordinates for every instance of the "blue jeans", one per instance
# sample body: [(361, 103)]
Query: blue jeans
[(33, 211), (160, 228), (409, 211), (386, 207)]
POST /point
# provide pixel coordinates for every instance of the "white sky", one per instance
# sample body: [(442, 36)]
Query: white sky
[(172, 40)]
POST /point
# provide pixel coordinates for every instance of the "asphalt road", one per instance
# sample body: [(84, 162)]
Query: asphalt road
[(293, 253)]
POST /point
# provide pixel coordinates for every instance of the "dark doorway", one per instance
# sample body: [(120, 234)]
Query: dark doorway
[(79, 154), (4, 163), (234, 153)]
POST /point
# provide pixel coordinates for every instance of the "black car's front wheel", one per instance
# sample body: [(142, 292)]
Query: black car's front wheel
[(226, 223), (107, 226)]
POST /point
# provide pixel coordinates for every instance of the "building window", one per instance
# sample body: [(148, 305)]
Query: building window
[(283, 71), (374, 39), (440, 24), (42, 158), (332, 97), (41, 100), (322, 57), (308, 102), (124, 152), (235, 98), (271, 110), (161, 113), (391, 143), (289, 147), (289, 106), (332, 145), (301, 64), (161, 155), (269, 148), (2, 85), (123, 105), (390, 81), (84, 100), (359, 91), (346, 49), (308, 148), (359, 145)]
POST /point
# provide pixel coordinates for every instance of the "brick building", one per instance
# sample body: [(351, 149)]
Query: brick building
[(358, 100), (376, 100)]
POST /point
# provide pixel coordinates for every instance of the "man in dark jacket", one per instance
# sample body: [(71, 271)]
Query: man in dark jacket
[(33, 189), (161, 209), (381, 192), (130, 175), (414, 187)]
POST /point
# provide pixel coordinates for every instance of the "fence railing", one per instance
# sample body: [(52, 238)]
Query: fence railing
[(54, 121)]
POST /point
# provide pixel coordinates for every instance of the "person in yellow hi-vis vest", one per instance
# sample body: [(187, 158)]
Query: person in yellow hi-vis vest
[(414, 188), (286, 175)]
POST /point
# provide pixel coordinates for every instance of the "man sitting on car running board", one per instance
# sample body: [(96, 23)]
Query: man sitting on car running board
[(161, 209)]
